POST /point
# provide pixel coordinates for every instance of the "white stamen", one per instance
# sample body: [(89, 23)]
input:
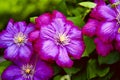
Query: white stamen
[(20, 39)]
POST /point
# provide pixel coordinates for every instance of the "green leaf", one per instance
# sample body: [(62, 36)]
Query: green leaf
[(57, 77), (87, 4), (3, 65), (90, 46), (57, 69), (72, 70), (102, 71), (109, 59), (93, 70), (32, 19), (77, 21), (65, 77), (80, 76), (62, 7)]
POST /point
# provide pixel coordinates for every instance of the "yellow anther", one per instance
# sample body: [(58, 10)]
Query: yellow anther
[(118, 30), (20, 39), (27, 71), (62, 38)]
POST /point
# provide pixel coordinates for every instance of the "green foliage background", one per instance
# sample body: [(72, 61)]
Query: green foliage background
[(91, 66)]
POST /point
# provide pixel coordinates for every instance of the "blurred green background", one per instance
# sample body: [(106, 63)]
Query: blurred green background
[(24, 9)]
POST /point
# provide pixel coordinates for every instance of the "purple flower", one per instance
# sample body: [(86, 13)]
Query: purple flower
[(15, 39), (59, 39), (34, 70), (105, 25)]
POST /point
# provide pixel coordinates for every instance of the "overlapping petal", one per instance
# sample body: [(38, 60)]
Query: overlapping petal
[(107, 31), (76, 48), (11, 52), (6, 39), (90, 27), (12, 73), (43, 71), (49, 50), (103, 13), (102, 48), (25, 52), (43, 20), (63, 58)]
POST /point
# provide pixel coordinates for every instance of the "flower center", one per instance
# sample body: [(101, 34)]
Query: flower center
[(20, 38), (119, 30), (62, 39), (28, 71)]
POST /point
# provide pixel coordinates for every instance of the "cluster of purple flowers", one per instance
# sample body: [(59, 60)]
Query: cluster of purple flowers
[(104, 25), (54, 38), (51, 38)]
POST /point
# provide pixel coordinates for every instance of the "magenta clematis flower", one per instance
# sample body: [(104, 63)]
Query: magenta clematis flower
[(33, 70), (15, 39), (105, 25), (59, 39)]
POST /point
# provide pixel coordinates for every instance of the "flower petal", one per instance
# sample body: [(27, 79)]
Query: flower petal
[(29, 28), (21, 26), (11, 73), (11, 52), (103, 13), (43, 71), (59, 25), (75, 33), (12, 28), (90, 28), (76, 48), (6, 39), (25, 53), (63, 59), (100, 2), (46, 32), (107, 31), (49, 50), (44, 19), (103, 49), (58, 14), (34, 35), (114, 1)]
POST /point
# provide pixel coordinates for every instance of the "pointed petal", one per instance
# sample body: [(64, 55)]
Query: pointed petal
[(47, 32), (76, 48), (6, 39), (107, 31), (75, 33), (12, 27), (90, 28), (114, 1), (21, 26), (29, 28), (63, 59), (11, 52), (59, 25), (49, 50), (104, 13), (25, 53), (43, 19), (34, 35), (103, 49), (57, 14), (11, 73), (43, 71), (100, 2)]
